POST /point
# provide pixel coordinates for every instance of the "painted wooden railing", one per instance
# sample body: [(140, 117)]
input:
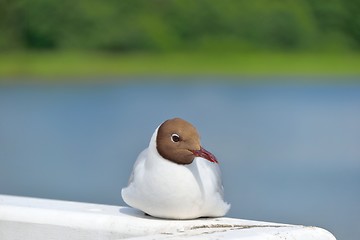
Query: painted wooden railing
[(23, 218)]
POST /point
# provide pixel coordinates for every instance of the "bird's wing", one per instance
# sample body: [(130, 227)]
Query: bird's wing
[(138, 165), (217, 173)]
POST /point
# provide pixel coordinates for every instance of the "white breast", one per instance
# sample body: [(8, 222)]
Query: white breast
[(165, 189)]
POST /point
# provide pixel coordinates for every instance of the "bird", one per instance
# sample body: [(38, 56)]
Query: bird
[(175, 177)]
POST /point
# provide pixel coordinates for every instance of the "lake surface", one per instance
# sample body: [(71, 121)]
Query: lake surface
[(289, 153)]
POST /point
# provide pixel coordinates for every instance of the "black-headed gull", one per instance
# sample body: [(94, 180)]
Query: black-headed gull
[(175, 177)]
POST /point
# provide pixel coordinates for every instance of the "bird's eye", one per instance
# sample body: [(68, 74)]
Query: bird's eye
[(175, 137)]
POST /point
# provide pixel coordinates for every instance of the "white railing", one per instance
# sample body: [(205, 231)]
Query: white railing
[(23, 218)]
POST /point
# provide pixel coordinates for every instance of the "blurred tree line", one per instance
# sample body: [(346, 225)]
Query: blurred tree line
[(176, 25)]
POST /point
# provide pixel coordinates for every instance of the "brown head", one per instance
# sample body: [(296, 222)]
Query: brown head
[(178, 141)]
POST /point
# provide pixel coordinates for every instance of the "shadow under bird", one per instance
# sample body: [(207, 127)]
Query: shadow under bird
[(175, 177)]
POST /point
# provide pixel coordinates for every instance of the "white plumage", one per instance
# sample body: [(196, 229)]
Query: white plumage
[(162, 188)]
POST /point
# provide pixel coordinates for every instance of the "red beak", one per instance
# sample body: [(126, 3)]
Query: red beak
[(205, 154)]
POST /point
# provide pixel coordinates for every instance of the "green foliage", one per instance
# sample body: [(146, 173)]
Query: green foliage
[(175, 25), (78, 66)]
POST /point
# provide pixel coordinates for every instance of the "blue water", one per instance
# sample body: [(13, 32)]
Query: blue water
[(289, 153)]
